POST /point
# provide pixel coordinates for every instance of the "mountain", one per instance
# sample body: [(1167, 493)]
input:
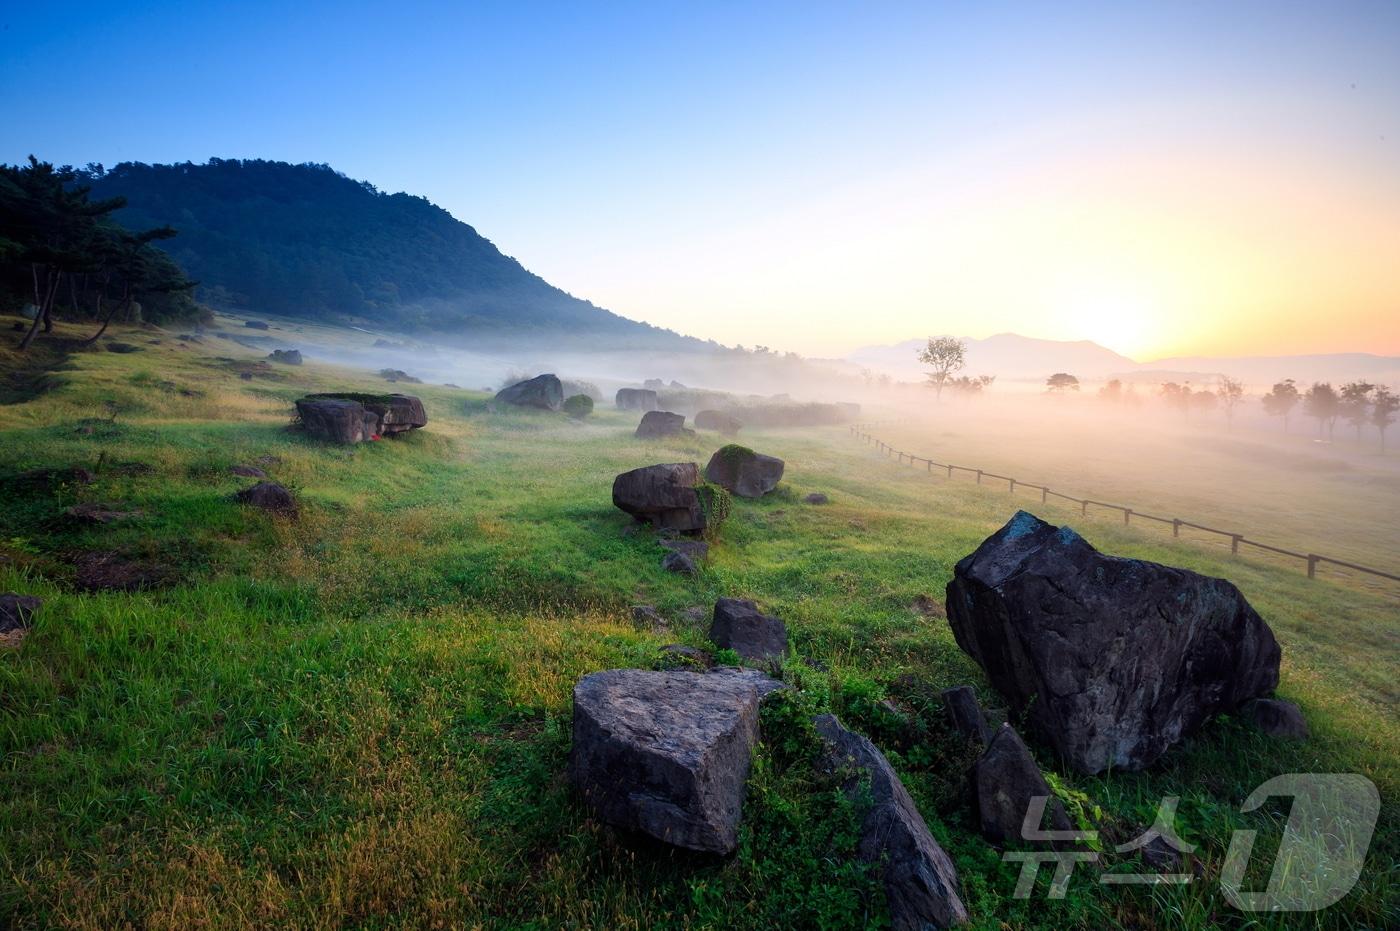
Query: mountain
[(305, 240), (1008, 356), (1263, 371)]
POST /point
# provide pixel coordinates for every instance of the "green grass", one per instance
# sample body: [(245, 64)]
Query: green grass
[(361, 718)]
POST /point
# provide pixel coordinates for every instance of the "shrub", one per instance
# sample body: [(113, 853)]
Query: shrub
[(578, 406)]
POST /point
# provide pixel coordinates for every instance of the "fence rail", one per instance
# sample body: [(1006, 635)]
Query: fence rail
[(1237, 540)]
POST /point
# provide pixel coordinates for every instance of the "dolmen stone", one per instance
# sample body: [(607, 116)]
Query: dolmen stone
[(636, 399), (665, 495), (269, 496), (544, 392), (17, 611), (657, 424), (921, 883), (719, 421), (738, 625), (353, 417), (1276, 717), (1005, 780), (965, 714), (1112, 660), (744, 472), (285, 356), (666, 754)]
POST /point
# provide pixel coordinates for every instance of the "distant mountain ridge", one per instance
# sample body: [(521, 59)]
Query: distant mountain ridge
[(305, 240), (1012, 357)]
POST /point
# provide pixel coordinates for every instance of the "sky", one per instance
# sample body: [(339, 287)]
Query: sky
[(1164, 179)]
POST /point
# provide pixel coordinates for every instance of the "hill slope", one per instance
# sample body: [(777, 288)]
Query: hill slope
[(306, 240)]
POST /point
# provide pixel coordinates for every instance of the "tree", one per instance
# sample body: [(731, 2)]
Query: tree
[(1322, 402), (1061, 382), (971, 387), (1384, 404), (1355, 404), (1281, 400), (1112, 391), (944, 355), (1178, 396), (1230, 393)]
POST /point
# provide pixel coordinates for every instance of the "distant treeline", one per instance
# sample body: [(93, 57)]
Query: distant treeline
[(62, 254)]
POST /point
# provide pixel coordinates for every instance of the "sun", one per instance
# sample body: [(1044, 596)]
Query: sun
[(1115, 318)]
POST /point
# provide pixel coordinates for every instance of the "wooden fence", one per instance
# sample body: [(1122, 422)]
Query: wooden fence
[(1237, 540)]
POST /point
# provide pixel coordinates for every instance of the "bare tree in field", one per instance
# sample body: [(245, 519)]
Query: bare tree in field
[(1356, 404), (1281, 400), (1384, 404), (944, 355), (1061, 382), (1231, 393), (1322, 403)]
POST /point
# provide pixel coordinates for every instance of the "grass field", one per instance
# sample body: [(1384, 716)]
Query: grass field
[(361, 718)]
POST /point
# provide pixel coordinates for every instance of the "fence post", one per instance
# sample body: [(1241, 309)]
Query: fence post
[(1044, 494), (1312, 566), (950, 471), (979, 476), (1176, 527), (930, 464), (1012, 487), (1084, 507), (1234, 544), (1127, 513)]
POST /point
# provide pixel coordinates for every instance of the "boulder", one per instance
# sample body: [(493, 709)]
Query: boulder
[(545, 392), (738, 625), (269, 496), (17, 611), (666, 754), (285, 356), (656, 424), (664, 494), (1276, 717), (921, 883), (1005, 779), (718, 421), (744, 472), (679, 563), (336, 420), (636, 399), (353, 417), (697, 550), (648, 616), (816, 497), (1112, 660), (965, 714)]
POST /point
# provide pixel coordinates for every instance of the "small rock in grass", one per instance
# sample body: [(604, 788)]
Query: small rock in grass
[(817, 497), (269, 496), (1276, 717), (738, 625), (17, 611), (687, 655), (680, 564), (93, 513), (697, 550)]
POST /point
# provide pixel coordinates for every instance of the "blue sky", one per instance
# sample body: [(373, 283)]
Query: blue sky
[(808, 176)]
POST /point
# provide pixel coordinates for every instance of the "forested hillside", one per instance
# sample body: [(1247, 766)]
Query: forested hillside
[(306, 240)]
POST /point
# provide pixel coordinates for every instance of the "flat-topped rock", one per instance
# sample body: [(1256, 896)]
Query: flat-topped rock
[(636, 399), (352, 417), (659, 424), (1112, 660), (666, 754), (744, 472)]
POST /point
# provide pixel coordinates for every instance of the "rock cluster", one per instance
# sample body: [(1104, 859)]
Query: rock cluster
[(1113, 660)]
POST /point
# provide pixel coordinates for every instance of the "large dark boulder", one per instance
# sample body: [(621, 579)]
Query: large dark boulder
[(921, 883), (17, 611), (636, 399), (738, 625), (1004, 780), (545, 392), (718, 421), (744, 472), (666, 754), (657, 424), (1112, 660), (665, 495)]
